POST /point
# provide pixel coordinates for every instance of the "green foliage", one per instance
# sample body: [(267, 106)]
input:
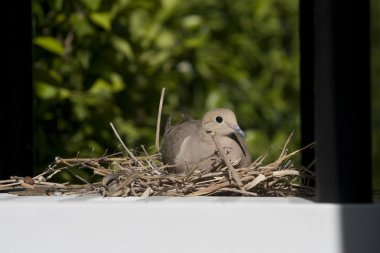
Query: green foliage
[(97, 62), (50, 44)]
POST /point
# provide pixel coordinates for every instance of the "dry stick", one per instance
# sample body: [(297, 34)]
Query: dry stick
[(308, 170), (10, 185), (148, 157), (50, 184), (159, 120), (282, 173), (255, 181), (261, 158), (122, 143), (235, 176), (148, 191), (49, 170), (79, 177), (8, 181), (212, 188), (52, 174), (283, 158), (107, 158), (286, 144), (238, 191), (209, 189), (149, 160)]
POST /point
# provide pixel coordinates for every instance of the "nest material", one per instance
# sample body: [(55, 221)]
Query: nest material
[(146, 175)]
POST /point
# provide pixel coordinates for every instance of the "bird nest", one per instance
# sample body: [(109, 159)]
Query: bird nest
[(146, 175), (143, 176)]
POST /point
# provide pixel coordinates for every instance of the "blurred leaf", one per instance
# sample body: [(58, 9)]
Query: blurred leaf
[(92, 5), (117, 82), (102, 19), (80, 111), (80, 25), (55, 75), (58, 5), (118, 6), (191, 21), (123, 46), (196, 41), (166, 11), (101, 87), (38, 12), (45, 91), (64, 93), (84, 58), (142, 28), (47, 76), (169, 4), (50, 44), (60, 18), (215, 99), (155, 58), (166, 39)]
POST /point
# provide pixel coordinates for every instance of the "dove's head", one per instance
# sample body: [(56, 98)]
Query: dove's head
[(221, 121)]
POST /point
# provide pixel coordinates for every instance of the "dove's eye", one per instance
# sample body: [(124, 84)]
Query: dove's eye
[(219, 119)]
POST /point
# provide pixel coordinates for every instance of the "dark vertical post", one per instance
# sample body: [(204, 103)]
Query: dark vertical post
[(306, 26), (342, 90), (16, 103)]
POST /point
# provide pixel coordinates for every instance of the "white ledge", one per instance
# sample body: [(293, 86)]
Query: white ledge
[(197, 224)]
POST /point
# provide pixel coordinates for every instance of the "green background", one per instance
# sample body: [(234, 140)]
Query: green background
[(97, 62)]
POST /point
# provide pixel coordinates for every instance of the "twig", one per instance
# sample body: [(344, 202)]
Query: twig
[(125, 147), (10, 185), (52, 174), (47, 171), (282, 173), (159, 120), (283, 158), (209, 189), (255, 182), (8, 181), (147, 192), (308, 168), (261, 158), (149, 160), (79, 177), (238, 191), (51, 184), (108, 158), (283, 151), (235, 176)]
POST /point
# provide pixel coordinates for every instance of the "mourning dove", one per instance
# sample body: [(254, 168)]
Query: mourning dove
[(190, 143)]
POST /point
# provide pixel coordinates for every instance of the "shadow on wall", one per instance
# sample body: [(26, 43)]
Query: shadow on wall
[(360, 228)]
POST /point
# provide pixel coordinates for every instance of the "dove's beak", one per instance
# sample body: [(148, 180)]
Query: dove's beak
[(238, 130)]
